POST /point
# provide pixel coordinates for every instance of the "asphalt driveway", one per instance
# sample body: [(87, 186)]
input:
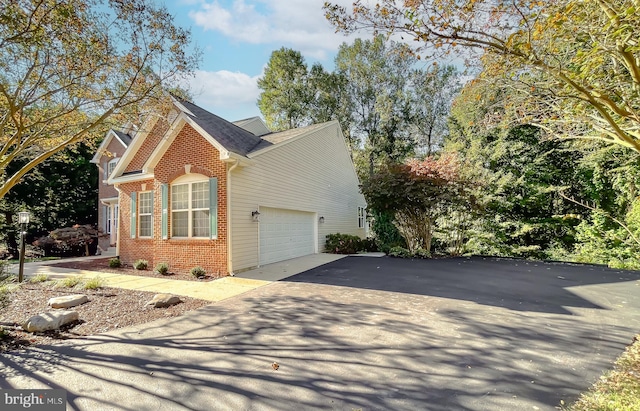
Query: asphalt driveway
[(362, 334)]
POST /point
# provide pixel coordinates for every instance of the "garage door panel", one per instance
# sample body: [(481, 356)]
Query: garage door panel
[(285, 234)]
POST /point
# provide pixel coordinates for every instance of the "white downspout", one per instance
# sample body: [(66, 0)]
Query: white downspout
[(229, 218), (118, 228)]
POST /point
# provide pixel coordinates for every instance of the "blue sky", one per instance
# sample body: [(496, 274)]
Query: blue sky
[(237, 38)]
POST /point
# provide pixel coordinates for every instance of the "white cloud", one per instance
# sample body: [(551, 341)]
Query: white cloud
[(299, 24), (224, 89)]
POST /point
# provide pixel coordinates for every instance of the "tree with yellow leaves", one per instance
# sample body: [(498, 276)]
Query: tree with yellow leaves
[(69, 69), (574, 64)]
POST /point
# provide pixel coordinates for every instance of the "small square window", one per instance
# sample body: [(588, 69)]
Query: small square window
[(111, 165)]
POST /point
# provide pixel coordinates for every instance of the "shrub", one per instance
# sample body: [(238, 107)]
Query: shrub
[(343, 244), (39, 278), (162, 268), (94, 283), (74, 241), (141, 264), (69, 282), (402, 252), (421, 253), (399, 252), (5, 296), (198, 272), (115, 263), (6, 287), (4, 267), (385, 232), (369, 245)]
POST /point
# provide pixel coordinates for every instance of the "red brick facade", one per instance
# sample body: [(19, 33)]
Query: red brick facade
[(188, 148), (148, 145)]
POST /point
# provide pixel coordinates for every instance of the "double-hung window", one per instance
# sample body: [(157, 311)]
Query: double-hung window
[(145, 214), (107, 218), (190, 209), (111, 165), (361, 217)]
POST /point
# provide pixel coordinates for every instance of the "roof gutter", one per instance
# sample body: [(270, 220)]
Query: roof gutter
[(129, 178)]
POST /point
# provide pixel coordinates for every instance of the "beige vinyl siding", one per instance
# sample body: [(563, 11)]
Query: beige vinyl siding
[(253, 125), (313, 173)]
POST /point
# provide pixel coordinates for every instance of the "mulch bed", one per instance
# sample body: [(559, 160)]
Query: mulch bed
[(102, 265), (108, 309)]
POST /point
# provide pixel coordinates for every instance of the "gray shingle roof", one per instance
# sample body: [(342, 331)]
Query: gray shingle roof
[(231, 137), (126, 139)]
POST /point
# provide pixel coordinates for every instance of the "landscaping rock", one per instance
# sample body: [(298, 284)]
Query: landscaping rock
[(68, 301), (51, 320), (164, 300)]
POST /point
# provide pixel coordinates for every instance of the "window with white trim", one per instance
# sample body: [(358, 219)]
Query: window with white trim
[(190, 210), (107, 218), (116, 211), (145, 214), (111, 165), (362, 215)]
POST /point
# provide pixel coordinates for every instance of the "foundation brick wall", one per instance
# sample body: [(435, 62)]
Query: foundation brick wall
[(189, 147)]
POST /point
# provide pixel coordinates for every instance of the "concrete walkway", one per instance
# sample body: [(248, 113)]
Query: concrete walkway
[(213, 291)]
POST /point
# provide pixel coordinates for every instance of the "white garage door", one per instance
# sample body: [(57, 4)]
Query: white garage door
[(285, 234)]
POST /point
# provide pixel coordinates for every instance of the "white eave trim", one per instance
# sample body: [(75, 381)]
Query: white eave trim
[(129, 178), (109, 201), (181, 107)]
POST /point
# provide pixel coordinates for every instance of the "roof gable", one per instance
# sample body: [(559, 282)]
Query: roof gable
[(230, 136), (121, 137), (254, 125), (229, 139)]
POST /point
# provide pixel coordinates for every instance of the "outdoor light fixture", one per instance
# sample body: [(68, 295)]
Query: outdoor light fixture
[(23, 217), (23, 220), (321, 220), (255, 215)]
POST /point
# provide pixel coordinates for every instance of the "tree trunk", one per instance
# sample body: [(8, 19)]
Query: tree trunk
[(417, 229), (371, 162)]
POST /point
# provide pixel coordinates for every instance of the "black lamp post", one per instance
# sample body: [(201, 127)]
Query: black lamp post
[(23, 220)]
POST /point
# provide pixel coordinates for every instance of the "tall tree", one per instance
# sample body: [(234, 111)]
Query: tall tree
[(330, 99), (377, 73), (60, 192), (525, 179), (575, 64), (433, 92), (416, 193), (285, 96), (70, 67)]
